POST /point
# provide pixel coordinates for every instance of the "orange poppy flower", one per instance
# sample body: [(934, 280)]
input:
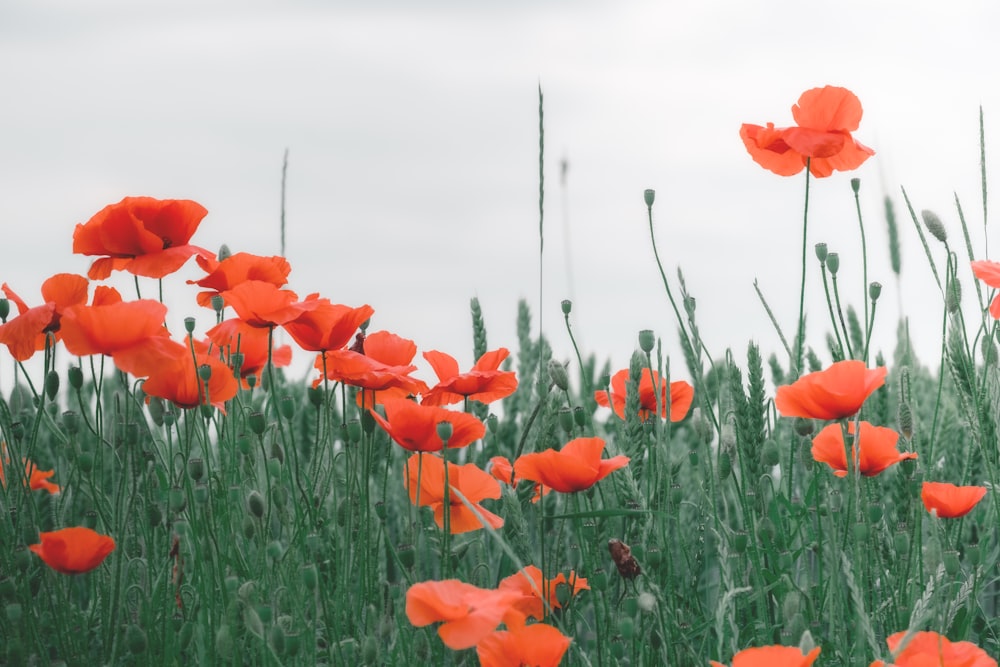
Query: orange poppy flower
[(929, 649), (262, 304), (34, 478), (529, 583), (950, 501), (111, 327), (833, 393), (26, 334), (538, 645), (142, 235), (772, 656), (825, 118), (503, 471), (681, 395), (328, 326), (232, 336), (469, 480), (467, 613), (878, 449), (370, 373), (73, 550), (484, 383), (414, 426), (989, 273), (237, 268), (575, 467), (173, 374)]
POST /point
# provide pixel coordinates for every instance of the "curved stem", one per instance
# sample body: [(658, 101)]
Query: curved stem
[(800, 336)]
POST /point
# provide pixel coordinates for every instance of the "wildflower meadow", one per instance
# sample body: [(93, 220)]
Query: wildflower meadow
[(176, 496)]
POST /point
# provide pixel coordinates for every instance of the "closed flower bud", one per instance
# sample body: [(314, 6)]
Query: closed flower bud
[(255, 503), (354, 431), (901, 544), (821, 252), (248, 528), (558, 375), (646, 340), (71, 422), (51, 384), (875, 513), (599, 579), (309, 575), (855, 184), (196, 468), (492, 423), (934, 226), (176, 500), (75, 375), (257, 422), (861, 533), (804, 427), (833, 262), (407, 555), (201, 493), (566, 419), (224, 252), (4, 309), (649, 196), (579, 416), (770, 455), (274, 549), (287, 406), (874, 290), (567, 306), (951, 562)]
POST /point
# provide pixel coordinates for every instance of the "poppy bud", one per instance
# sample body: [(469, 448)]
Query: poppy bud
[(276, 636), (274, 549), (380, 510), (599, 580), (770, 455), (196, 468), (176, 500), (85, 462), (566, 419), (855, 184), (309, 575), (71, 422), (205, 372), (168, 418), (445, 431), (934, 226), (287, 406), (973, 554), (618, 648), (804, 427), (649, 196), (224, 253), (579, 416), (693, 457), (951, 562), (248, 528), (407, 555), (315, 395), (492, 423), (901, 544), (367, 422), (833, 262), (4, 309), (255, 503), (354, 431), (740, 541), (51, 384), (201, 493), (626, 626), (181, 527), (257, 422), (17, 431), (874, 290), (646, 340), (154, 515), (567, 306), (217, 302), (821, 252), (558, 375), (875, 513), (369, 650), (75, 376)]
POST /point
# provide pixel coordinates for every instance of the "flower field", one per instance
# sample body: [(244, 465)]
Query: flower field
[(172, 496)]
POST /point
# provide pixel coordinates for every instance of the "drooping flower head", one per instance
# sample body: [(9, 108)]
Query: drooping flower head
[(142, 235), (950, 501), (575, 467), (467, 613), (833, 393), (470, 481), (484, 383), (772, 656), (681, 395), (878, 447), (929, 649), (825, 118), (415, 427), (73, 550)]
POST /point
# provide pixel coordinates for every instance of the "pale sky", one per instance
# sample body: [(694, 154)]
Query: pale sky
[(412, 131)]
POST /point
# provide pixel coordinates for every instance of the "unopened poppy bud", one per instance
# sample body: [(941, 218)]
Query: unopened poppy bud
[(274, 549), (224, 252), (169, 418), (445, 431), (951, 562), (579, 416), (52, 384), (874, 291), (740, 541), (277, 453), (287, 406), (4, 309), (973, 554), (934, 226), (255, 503), (901, 544), (17, 431), (369, 650), (135, 639), (309, 575), (646, 340), (71, 422), (804, 427), (492, 423), (85, 462), (770, 455), (558, 375), (626, 627), (196, 468), (176, 500), (567, 306), (807, 643), (875, 513), (599, 580), (407, 555), (315, 395), (154, 515), (833, 262), (566, 419), (156, 408), (75, 376), (367, 422), (855, 184), (257, 422), (217, 303), (649, 196), (381, 511), (821, 252)]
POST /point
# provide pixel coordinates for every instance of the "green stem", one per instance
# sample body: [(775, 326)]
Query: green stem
[(800, 336)]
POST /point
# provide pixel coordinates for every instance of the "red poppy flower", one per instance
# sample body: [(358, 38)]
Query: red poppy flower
[(382, 369), (825, 117), (262, 304), (237, 268), (73, 550), (529, 583), (415, 427), (950, 501), (469, 480), (173, 374), (878, 449), (989, 273), (467, 613), (111, 327), (144, 236), (27, 333), (34, 478), (833, 393), (538, 645), (503, 471), (328, 326), (929, 649), (772, 656), (681, 395), (232, 336), (484, 383), (575, 467)]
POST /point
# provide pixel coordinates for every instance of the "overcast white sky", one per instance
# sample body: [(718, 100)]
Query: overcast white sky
[(413, 137)]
